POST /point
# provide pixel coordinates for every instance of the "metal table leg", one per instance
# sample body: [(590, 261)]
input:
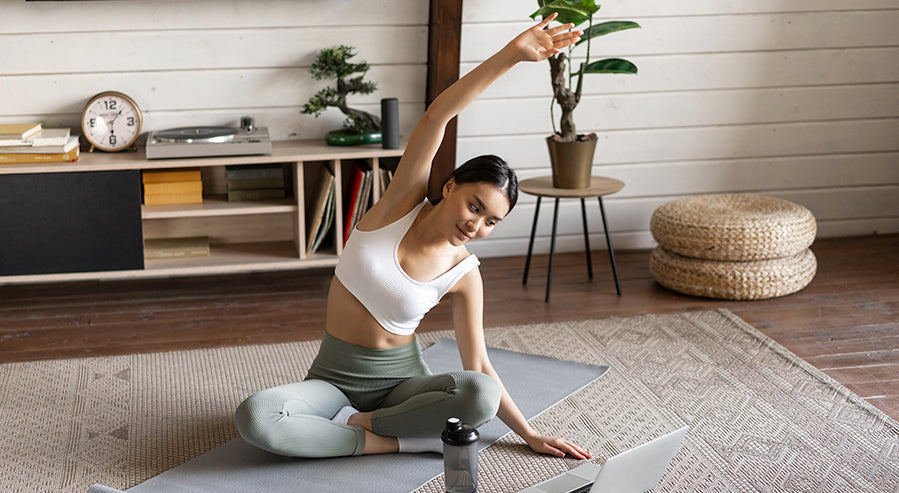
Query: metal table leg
[(605, 227), (552, 250), (586, 239), (527, 263)]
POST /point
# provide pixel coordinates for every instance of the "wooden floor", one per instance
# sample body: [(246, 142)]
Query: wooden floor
[(845, 323)]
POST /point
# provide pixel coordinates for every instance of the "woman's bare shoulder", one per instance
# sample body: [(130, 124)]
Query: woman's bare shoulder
[(386, 211)]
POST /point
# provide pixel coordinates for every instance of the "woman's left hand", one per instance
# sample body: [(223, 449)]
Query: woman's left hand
[(559, 447)]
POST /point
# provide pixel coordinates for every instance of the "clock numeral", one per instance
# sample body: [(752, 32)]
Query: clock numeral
[(110, 104), (130, 121), (112, 140), (93, 122)]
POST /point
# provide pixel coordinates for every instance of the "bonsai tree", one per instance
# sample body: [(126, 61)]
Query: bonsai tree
[(334, 63), (561, 73)]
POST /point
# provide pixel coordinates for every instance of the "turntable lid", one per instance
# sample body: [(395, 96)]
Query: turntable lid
[(196, 134)]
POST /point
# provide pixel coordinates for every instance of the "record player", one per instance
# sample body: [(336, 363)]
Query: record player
[(201, 141)]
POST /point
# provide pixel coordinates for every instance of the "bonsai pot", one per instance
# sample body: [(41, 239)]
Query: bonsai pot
[(344, 138), (572, 162)]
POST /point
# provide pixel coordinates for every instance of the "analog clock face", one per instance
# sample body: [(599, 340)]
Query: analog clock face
[(111, 121)]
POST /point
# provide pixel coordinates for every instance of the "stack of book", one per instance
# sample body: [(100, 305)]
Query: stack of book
[(31, 143), (246, 183), (172, 187)]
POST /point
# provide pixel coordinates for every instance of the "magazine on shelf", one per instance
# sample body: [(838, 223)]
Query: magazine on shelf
[(320, 200)]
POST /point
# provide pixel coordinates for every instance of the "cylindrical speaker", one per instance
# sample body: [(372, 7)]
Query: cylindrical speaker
[(390, 123)]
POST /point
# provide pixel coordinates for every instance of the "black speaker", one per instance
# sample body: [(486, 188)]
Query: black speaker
[(390, 123)]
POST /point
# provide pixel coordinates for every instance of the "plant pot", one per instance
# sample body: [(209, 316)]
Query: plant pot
[(344, 138), (572, 162)]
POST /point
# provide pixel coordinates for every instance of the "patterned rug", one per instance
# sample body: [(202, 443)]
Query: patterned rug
[(761, 419)]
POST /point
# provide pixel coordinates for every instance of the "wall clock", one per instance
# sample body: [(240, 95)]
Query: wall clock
[(111, 122)]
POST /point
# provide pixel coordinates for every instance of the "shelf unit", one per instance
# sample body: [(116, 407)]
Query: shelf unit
[(244, 236)]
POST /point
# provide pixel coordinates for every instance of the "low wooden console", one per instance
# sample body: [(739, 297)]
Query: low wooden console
[(243, 236)]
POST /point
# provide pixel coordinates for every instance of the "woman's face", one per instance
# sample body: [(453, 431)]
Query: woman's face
[(472, 210)]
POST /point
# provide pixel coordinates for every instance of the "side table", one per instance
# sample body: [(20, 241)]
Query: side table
[(542, 186)]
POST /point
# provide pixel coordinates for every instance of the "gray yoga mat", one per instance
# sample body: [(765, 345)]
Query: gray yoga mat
[(535, 383)]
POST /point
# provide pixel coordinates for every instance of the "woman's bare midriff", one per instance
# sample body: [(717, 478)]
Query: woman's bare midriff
[(348, 320)]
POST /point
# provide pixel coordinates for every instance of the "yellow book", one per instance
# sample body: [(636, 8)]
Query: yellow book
[(173, 187), (41, 157), (18, 130), (173, 198), (169, 176)]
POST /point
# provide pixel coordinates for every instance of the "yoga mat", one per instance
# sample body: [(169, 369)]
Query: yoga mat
[(535, 383)]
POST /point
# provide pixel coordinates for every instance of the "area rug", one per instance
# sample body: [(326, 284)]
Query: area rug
[(761, 419)]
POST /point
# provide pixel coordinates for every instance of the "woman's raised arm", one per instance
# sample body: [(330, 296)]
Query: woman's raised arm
[(410, 183)]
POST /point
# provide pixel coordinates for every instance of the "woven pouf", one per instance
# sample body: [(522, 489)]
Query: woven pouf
[(733, 227), (733, 246), (733, 280)]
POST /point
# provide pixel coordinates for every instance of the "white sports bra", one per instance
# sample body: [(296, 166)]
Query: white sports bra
[(370, 270)]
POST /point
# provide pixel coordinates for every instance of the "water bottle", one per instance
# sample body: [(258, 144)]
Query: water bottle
[(460, 457)]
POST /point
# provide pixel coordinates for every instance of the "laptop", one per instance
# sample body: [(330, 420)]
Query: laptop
[(634, 471)]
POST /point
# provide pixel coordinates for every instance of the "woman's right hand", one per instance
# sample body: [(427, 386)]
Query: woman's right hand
[(539, 43)]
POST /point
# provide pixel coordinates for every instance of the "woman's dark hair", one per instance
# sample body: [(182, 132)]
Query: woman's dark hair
[(488, 169)]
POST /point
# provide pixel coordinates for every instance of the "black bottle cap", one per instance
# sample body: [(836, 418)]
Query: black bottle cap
[(459, 433)]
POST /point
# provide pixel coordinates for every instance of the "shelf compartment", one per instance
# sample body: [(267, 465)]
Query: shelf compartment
[(232, 255), (245, 228), (218, 205), (238, 258), (223, 259)]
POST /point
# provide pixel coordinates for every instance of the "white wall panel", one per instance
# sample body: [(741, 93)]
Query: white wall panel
[(491, 10), (167, 91), (86, 52), (703, 143), (711, 34), (691, 109), (129, 15), (716, 71)]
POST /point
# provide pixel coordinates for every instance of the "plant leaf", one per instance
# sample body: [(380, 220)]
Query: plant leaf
[(606, 28), (574, 11), (611, 66)]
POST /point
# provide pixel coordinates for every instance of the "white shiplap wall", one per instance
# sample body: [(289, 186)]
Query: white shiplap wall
[(206, 62), (791, 98)]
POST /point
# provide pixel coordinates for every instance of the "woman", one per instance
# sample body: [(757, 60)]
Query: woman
[(368, 390)]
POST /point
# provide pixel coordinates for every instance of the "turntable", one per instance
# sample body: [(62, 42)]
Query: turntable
[(184, 142)]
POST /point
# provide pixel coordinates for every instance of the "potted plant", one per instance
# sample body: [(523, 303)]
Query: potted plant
[(571, 154), (360, 127)]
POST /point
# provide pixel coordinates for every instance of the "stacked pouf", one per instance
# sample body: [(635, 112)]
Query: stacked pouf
[(733, 246)]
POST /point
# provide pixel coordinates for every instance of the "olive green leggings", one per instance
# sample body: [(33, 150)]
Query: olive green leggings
[(406, 400)]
